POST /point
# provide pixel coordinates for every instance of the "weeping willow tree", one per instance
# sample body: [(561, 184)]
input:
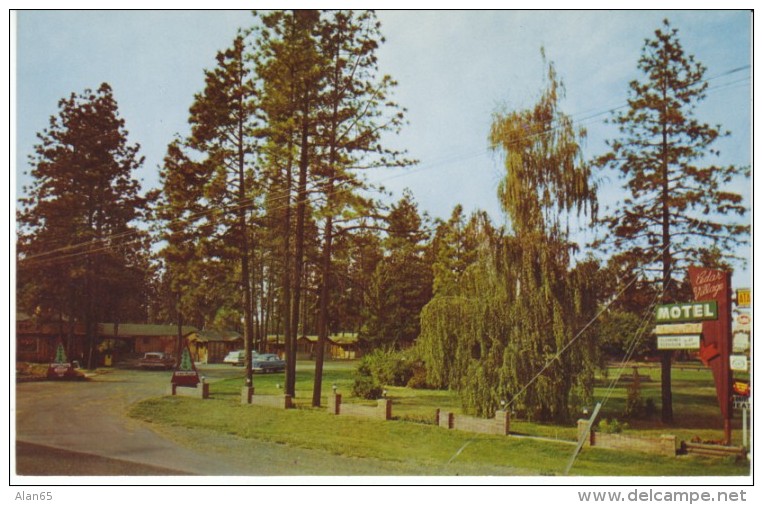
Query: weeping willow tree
[(512, 330)]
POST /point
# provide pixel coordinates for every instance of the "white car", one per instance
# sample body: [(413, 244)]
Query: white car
[(235, 358)]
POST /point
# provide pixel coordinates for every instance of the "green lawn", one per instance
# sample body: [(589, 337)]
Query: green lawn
[(434, 448)]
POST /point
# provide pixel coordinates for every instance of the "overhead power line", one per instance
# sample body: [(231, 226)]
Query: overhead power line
[(111, 241)]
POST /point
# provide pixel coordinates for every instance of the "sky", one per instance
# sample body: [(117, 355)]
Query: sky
[(455, 69)]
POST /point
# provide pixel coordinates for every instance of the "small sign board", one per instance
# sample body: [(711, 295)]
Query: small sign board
[(185, 374), (738, 362), (59, 370), (61, 367), (741, 341), (684, 312), (744, 298), (741, 387), (678, 329), (678, 342), (744, 320)]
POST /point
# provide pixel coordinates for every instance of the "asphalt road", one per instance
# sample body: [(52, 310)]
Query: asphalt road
[(89, 417), (82, 429)]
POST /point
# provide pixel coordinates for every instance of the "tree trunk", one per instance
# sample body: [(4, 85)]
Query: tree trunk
[(323, 313), (179, 343), (89, 315), (286, 310), (666, 356), (299, 249), (246, 282)]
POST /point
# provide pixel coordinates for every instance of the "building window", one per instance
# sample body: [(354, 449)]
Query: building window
[(28, 345)]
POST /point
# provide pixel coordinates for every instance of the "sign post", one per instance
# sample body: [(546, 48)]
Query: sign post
[(185, 374), (715, 286), (61, 367)]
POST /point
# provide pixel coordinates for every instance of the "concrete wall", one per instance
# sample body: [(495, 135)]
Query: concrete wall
[(664, 444), (274, 401), (382, 410), (200, 391), (279, 402), (498, 425)]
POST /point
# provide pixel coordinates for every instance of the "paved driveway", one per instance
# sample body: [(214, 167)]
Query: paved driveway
[(81, 428), (90, 417)]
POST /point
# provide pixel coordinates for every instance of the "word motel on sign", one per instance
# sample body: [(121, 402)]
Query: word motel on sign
[(687, 312)]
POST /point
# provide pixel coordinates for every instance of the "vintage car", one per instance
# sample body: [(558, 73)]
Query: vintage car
[(157, 360), (235, 358), (268, 363)]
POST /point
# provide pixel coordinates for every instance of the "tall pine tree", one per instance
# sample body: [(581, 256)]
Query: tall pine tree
[(81, 253), (356, 111), (223, 126), (402, 282), (291, 70), (677, 195)]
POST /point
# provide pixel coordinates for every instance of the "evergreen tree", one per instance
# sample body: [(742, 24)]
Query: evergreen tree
[(223, 127), (81, 255), (356, 111), (455, 247), (60, 354), (677, 195), (355, 258), (292, 71), (402, 282)]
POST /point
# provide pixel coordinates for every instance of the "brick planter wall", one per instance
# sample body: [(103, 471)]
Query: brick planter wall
[(382, 410), (200, 391), (444, 419), (664, 444), (498, 425), (275, 401)]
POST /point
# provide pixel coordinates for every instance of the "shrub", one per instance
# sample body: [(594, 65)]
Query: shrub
[(419, 378), (365, 387), (382, 367), (387, 367), (650, 409), (612, 426)]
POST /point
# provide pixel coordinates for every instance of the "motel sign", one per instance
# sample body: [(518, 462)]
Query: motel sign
[(693, 311)]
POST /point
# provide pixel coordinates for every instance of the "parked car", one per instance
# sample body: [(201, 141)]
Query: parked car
[(235, 358), (268, 363), (157, 360)]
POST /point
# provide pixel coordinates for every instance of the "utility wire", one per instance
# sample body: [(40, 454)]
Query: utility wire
[(626, 359), (606, 306), (287, 192)]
